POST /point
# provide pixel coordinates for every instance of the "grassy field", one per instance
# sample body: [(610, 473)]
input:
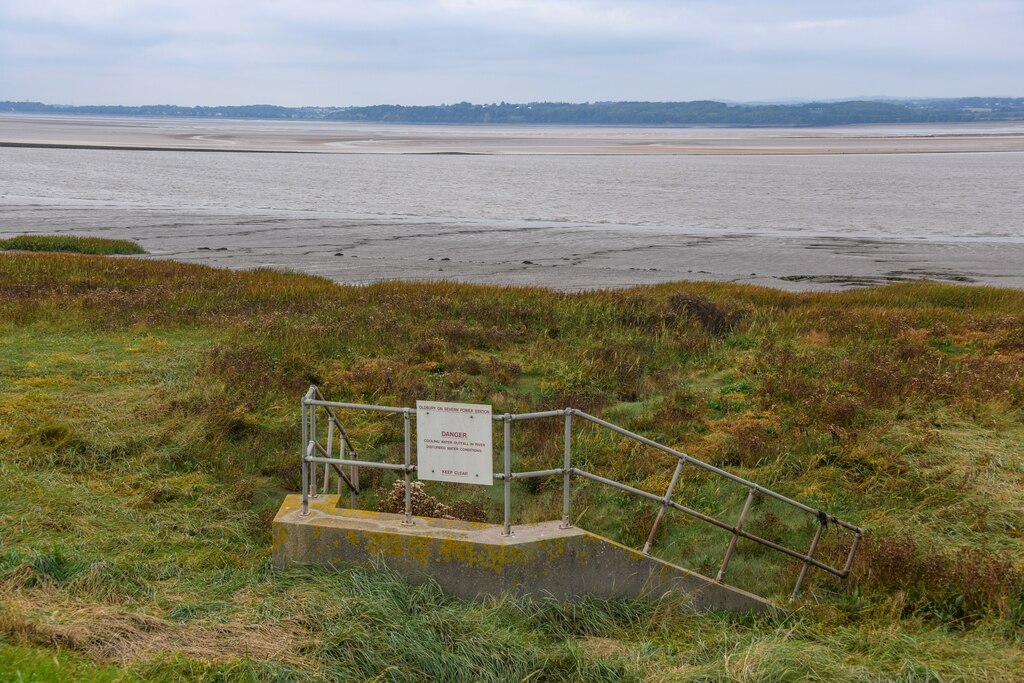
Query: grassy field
[(76, 245), (149, 429)]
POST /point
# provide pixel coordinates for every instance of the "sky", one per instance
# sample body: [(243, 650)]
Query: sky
[(341, 53)]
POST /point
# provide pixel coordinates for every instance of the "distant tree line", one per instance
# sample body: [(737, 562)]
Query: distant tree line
[(698, 113), (248, 111)]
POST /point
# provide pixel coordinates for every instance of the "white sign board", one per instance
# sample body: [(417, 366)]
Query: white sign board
[(453, 443)]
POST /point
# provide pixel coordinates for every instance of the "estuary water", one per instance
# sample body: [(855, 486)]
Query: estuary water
[(571, 220)]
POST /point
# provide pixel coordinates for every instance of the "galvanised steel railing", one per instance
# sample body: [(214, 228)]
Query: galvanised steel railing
[(315, 453)]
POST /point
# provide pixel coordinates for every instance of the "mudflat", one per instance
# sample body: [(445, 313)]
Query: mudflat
[(563, 207), (567, 258), (340, 137)]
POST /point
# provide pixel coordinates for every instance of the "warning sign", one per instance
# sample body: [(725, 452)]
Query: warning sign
[(453, 442)]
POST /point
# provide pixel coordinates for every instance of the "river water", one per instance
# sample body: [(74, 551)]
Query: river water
[(608, 219)]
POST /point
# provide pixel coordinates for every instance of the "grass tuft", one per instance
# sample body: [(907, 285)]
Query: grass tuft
[(70, 244)]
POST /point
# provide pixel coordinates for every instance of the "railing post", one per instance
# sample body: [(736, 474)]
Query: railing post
[(312, 466), (343, 451), (408, 472), (508, 475), (330, 451), (664, 504), (735, 536), (853, 552), (305, 447), (810, 554), (567, 470), (355, 481)]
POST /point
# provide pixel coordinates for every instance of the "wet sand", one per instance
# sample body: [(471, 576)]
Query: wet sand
[(559, 257), (564, 257), (337, 137), (574, 259)]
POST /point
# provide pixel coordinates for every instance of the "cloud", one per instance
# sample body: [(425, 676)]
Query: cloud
[(423, 51)]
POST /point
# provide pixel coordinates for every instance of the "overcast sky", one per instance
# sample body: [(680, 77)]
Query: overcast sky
[(337, 52)]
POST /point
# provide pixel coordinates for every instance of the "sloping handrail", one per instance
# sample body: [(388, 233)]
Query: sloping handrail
[(315, 453)]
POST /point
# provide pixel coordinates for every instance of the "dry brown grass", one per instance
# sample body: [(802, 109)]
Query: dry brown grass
[(958, 587), (111, 634), (425, 505)]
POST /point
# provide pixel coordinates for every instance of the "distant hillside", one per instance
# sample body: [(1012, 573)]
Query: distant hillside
[(698, 113)]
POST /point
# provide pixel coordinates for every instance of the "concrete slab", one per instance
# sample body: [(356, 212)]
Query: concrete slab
[(473, 560)]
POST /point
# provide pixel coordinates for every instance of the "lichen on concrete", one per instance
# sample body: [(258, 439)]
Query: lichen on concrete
[(473, 560)]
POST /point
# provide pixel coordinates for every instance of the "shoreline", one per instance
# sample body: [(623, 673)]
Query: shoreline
[(321, 137), (561, 258), (681, 151)]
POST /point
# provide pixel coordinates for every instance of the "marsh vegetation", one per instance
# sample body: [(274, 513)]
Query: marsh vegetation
[(70, 244), (149, 430)]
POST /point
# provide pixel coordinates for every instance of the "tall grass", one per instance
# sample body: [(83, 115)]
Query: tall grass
[(149, 428)]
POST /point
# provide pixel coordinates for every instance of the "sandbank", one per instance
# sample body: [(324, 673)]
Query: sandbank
[(336, 137)]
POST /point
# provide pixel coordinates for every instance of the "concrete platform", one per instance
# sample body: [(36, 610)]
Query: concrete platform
[(473, 560)]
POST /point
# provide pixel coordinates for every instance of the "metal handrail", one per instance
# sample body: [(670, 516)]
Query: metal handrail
[(314, 399)]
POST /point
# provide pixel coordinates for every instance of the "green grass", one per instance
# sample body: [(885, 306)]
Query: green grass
[(148, 430), (37, 665), (69, 244)]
